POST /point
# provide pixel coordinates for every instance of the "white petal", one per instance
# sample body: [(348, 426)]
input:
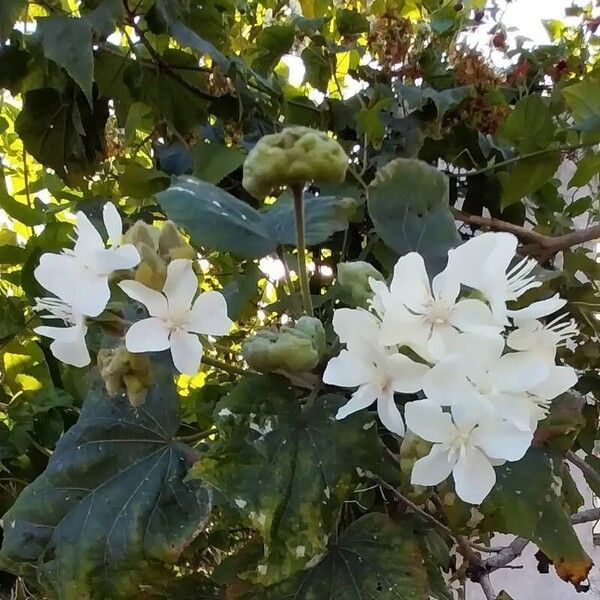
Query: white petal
[(147, 335), (154, 301), (381, 300), (482, 258), (474, 476), (347, 370), (400, 327), (518, 372), (500, 439), (355, 326), (410, 283), (68, 345), (113, 223), (477, 353), (180, 286), (186, 351), (209, 315), (406, 374), (446, 286), (433, 468), (66, 277), (474, 316), (446, 385), (520, 410), (364, 396), (123, 257), (389, 414), (89, 240), (442, 341), (428, 421), (559, 380), (538, 309)]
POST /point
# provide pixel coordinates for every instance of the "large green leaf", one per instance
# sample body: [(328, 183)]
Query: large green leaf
[(112, 506), (527, 500), (323, 216), (444, 100), (60, 131), (351, 22), (215, 219), (408, 203), (584, 101), (529, 125), (68, 42), (374, 557), (21, 212), (271, 44), (286, 470), (527, 176), (212, 162), (12, 319), (588, 167), (218, 221)]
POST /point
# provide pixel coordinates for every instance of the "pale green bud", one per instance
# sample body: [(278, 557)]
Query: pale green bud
[(294, 156), (353, 282)]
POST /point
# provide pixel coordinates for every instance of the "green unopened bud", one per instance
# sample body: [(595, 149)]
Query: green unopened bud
[(171, 244), (353, 281), (142, 233), (121, 369), (296, 349), (152, 270), (294, 156)]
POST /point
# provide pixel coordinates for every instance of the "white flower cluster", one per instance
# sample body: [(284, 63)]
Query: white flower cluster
[(487, 373), (79, 279)]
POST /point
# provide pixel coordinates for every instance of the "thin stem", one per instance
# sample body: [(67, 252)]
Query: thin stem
[(580, 463), (298, 192), (196, 437), (223, 366), (286, 269), (486, 586)]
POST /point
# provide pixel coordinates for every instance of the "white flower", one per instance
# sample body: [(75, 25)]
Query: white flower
[(174, 320), (80, 276), (462, 447), (69, 342), (479, 379), (483, 263), (376, 371), (419, 314), (543, 339)]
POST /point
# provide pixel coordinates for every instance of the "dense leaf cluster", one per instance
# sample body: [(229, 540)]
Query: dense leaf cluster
[(229, 484)]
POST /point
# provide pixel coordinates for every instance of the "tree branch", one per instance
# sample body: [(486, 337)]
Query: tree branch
[(538, 244), (160, 63), (486, 586), (580, 463)]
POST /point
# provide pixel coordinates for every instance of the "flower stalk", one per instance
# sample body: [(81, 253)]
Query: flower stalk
[(298, 193)]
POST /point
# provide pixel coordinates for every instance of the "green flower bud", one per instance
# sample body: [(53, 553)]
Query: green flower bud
[(295, 349), (152, 270), (294, 156), (121, 369), (171, 245), (142, 233), (353, 282)]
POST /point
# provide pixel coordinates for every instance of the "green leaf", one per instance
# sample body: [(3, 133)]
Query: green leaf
[(68, 42), (527, 501), (59, 131), (527, 176), (323, 216), (351, 22), (104, 18), (138, 182), (445, 100), (287, 471), (271, 44), (212, 162), (374, 557), (12, 319), (9, 14), (584, 101), (215, 219), (189, 38), (588, 166), (112, 505), (21, 212), (13, 67), (12, 255), (318, 64), (529, 125), (370, 121), (408, 203)]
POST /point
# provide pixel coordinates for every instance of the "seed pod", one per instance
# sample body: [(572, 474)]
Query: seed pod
[(295, 156)]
